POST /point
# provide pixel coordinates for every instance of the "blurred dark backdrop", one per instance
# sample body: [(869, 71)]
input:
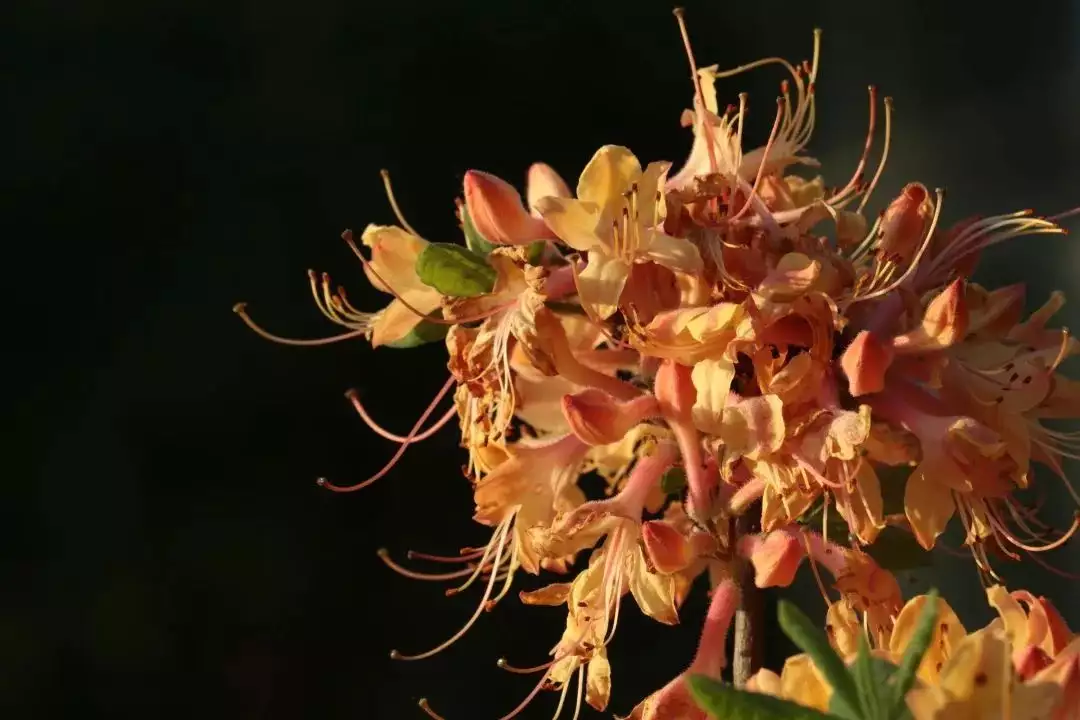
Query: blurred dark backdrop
[(167, 553)]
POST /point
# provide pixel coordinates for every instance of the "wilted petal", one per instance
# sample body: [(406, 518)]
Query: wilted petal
[(776, 557), (598, 680), (654, 593), (597, 418), (753, 427), (843, 628), (793, 275), (554, 594)]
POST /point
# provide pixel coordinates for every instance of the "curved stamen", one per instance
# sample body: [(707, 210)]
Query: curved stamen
[(464, 557), (323, 482), (384, 555), (393, 202), (503, 665), (424, 705), (814, 569), (780, 105), (884, 157), (395, 655), (856, 177), (1001, 528), (699, 97), (354, 398), (241, 310)]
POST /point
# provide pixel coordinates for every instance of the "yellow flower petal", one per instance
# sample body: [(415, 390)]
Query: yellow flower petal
[(610, 173), (671, 252), (712, 380), (948, 632), (601, 283), (578, 224), (654, 592), (598, 680), (928, 505), (393, 257), (397, 321)]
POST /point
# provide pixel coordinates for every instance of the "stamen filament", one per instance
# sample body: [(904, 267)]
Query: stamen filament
[(358, 405), (323, 482), (393, 203), (241, 310)]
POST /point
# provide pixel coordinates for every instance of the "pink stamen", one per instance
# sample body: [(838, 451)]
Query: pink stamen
[(780, 105), (241, 310), (384, 555), (856, 177), (354, 398), (464, 557), (502, 664), (323, 482)]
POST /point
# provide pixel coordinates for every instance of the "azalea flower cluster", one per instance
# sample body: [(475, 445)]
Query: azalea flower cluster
[(738, 339)]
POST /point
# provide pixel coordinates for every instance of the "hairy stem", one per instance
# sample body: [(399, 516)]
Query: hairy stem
[(749, 638)]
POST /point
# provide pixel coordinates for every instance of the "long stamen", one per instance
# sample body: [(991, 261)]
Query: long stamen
[(495, 540), (528, 699), (1000, 527), (856, 177), (393, 203), (1064, 215), (580, 691), (323, 482), (358, 405), (814, 569), (395, 655), (884, 156), (241, 310), (503, 665), (384, 555), (466, 556), (424, 705), (699, 96), (780, 105)]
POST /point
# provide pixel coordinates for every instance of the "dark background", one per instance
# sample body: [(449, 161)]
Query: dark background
[(167, 553)]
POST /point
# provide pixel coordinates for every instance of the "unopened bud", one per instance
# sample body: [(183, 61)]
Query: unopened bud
[(544, 182), (498, 213), (904, 223), (776, 557), (675, 391), (597, 418), (668, 550)]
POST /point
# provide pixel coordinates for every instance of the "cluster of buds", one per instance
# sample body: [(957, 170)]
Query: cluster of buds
[(733, 341)]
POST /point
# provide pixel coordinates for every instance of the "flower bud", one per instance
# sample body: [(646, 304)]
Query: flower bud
[(497, 212), (775, 557), (597, 418), (904, 223), (675, 391), (544, 182), (865, 363), (668, 550)]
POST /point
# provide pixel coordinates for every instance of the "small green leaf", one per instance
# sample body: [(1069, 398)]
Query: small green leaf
[(724, 702), (473, 239), (866, 682), (673, 481), (904, 677), (455, 271), (895, 549), (535, 251), (812, 640), (424, 333)]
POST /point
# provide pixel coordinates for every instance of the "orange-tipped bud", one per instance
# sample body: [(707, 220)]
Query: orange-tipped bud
[(944, 323), (775, 557), (904, 223), (497, 211), (675, 391), (544, 182), (668, 550), (597, 418), (865, 363)]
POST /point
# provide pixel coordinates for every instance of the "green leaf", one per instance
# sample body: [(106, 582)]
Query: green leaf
[(869, 686), (904, 677), (812, 640), (535, 251), (455, 271), (673, 481), (473, 239), (724, 702), (424, 333), (894, 549)]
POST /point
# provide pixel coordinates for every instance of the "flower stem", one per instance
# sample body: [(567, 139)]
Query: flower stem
[(748, 617)]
